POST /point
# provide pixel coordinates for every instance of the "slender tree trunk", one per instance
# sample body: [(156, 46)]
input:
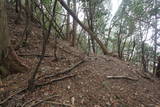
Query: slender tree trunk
[(155, 40), (18, 11), (132, 51), (90, 23), (74, 35), (68, 22), (144, 64), (119, 43), (28, 20), (31, 82)]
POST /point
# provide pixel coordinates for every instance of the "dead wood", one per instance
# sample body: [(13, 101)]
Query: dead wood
[(58, 104), (36, 85), (55, 80), (145, 76), (38, 101), (122, 77), (68, 52), (33, 55), (66, 71), (11, 96)]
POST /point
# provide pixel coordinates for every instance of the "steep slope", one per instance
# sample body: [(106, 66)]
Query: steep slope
[(92, 85)]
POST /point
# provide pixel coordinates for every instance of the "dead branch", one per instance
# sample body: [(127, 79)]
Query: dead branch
[(41, 101), (57, 103), (145, 76), (33, 55), (122, 77), (68, 52), (10, 97), (36, 85), (66, 71), (55, 80)]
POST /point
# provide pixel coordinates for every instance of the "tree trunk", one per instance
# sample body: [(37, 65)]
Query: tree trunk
[(74, 35), (18, 11), (4, 37), (155, 39), (68, 22), (27, 29), (144, 63), (91, 25), (93, 35), (9, 61)]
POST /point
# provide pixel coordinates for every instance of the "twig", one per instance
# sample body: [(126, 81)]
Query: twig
[(8, 98), (33, 55), (68, 52), (122, 77), (56, 103), (145, 76), (41, 101), (65, 71), (55, 80)]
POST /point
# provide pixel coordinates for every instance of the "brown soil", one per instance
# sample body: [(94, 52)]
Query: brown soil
[(90, 87)]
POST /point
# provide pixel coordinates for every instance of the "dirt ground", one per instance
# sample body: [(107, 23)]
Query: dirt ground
[(90, 87)]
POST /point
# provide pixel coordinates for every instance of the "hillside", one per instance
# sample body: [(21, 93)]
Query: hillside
[(96, 81)]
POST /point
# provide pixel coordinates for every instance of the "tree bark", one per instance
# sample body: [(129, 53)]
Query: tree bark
[(9, 61), (18, 11), (155, 39), (90, 23), (74, 35), (93, 35), (27, 29), (68, 23)]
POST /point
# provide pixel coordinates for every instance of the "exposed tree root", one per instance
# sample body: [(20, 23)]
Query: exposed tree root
[(11, 96), (37, 85), (58, 104), (122, 77), (38, 101), (68, 52), (55, 80), (66, 71), (13, 63), (145, 76), (33, 55)]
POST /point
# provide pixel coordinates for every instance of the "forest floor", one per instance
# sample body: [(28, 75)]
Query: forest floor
[(92, 84)]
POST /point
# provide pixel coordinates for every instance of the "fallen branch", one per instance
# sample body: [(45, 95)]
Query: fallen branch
[(41, 101), (37, 85), (66, 71), (46, 83), (9, 97), (68, 52), (55, 80), (58, 104), (145, 76), (122, 77), (33, 55)]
